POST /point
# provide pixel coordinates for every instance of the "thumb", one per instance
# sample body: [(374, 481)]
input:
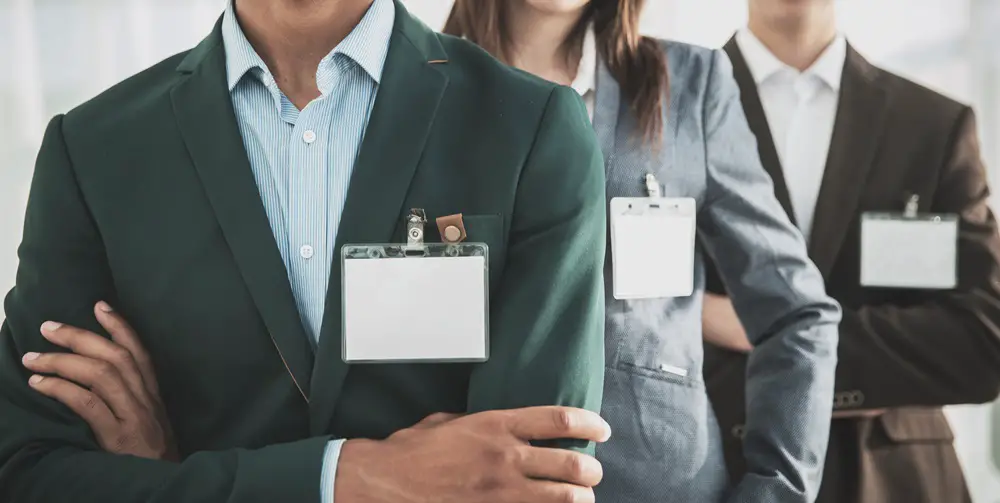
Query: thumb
[(436, 419)]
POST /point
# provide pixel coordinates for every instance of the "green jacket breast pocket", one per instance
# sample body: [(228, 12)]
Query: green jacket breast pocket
[(487, 229)]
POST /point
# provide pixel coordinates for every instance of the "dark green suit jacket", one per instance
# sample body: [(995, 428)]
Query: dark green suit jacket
[(144, 197)]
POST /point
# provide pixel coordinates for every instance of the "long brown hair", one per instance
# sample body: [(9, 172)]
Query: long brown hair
[(635, 61)]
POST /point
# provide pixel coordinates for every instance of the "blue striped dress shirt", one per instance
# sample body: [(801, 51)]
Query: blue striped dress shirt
[(302, 159)]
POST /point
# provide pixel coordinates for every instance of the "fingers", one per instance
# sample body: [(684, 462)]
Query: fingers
[(436, 419), (559, 465), (854, 414), (553, 422), (100, 377), (557, 492), (124, 335), (84, 403), (91, 345)]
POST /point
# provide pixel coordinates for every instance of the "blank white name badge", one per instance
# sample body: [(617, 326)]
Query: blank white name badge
[(426, 303), (652, 247), (919, 252)]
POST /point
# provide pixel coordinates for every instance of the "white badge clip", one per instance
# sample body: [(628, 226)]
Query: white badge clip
[(652, 186), (415, 302), (909, 249), (912, 207), (652, 244)]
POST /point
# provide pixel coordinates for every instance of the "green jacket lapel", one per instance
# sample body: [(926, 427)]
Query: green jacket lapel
[(412, 87), (204, 113)]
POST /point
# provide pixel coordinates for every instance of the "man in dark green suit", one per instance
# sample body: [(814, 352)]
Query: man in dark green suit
[(150, 198)]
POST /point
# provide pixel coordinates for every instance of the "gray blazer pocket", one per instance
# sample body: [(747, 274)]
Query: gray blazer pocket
[(663, 418), (662, 372)]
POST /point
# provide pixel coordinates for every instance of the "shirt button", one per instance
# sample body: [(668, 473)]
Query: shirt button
[(309, 136), (306, 252)]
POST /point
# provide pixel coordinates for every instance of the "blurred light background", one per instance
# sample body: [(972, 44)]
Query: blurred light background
[(59, 53)]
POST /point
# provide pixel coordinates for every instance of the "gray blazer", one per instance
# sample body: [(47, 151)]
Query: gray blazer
[(666, 446)]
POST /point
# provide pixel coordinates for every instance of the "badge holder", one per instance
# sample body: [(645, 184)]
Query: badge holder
[(416, 302), (909, 249), (652, 245)]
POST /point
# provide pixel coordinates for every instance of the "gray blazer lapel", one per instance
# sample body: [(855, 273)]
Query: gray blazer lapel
[(627, 159), (606, 109)]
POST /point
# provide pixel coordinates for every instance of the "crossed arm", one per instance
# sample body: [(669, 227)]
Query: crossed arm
[(779, 293), (49, 450), (944, 350)]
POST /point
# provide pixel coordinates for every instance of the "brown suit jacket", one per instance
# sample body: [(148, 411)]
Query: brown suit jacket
[(909, 352)]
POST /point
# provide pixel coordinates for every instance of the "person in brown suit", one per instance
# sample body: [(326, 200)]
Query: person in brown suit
[(843, 139)]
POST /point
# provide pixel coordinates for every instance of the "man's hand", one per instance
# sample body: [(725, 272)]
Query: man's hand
[(721, 326), (479, 458), (858, 414), (110, 384)]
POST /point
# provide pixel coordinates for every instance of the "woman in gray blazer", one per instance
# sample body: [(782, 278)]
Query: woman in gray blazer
[(669, 119)]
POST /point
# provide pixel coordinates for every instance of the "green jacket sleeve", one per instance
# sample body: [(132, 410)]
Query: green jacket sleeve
[(547, 313), (47, 453)]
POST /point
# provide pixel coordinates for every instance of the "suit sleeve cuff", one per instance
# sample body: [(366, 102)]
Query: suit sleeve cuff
[(329, 475), (756, 488)]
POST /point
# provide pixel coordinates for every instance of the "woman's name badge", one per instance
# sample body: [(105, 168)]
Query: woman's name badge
[(652, 246)]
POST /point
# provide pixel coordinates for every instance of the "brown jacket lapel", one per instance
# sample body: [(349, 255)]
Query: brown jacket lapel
[(858, 128), (754, 111)]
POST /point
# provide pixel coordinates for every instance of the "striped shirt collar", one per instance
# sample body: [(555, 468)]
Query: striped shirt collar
[(367, 45)]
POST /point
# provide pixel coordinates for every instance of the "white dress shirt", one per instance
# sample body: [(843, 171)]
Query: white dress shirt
[(585, 82), (801, 108)]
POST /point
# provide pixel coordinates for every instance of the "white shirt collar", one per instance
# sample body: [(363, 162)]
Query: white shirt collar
[(586, 72), (763, 64)]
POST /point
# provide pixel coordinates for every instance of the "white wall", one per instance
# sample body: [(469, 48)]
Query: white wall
[(65, 51)]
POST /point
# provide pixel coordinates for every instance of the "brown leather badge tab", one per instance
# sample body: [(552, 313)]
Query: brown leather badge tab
[(452, 228)]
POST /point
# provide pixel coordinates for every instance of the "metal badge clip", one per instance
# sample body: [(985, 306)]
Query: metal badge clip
[(652, 185), (415, 227), (912, 206)]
